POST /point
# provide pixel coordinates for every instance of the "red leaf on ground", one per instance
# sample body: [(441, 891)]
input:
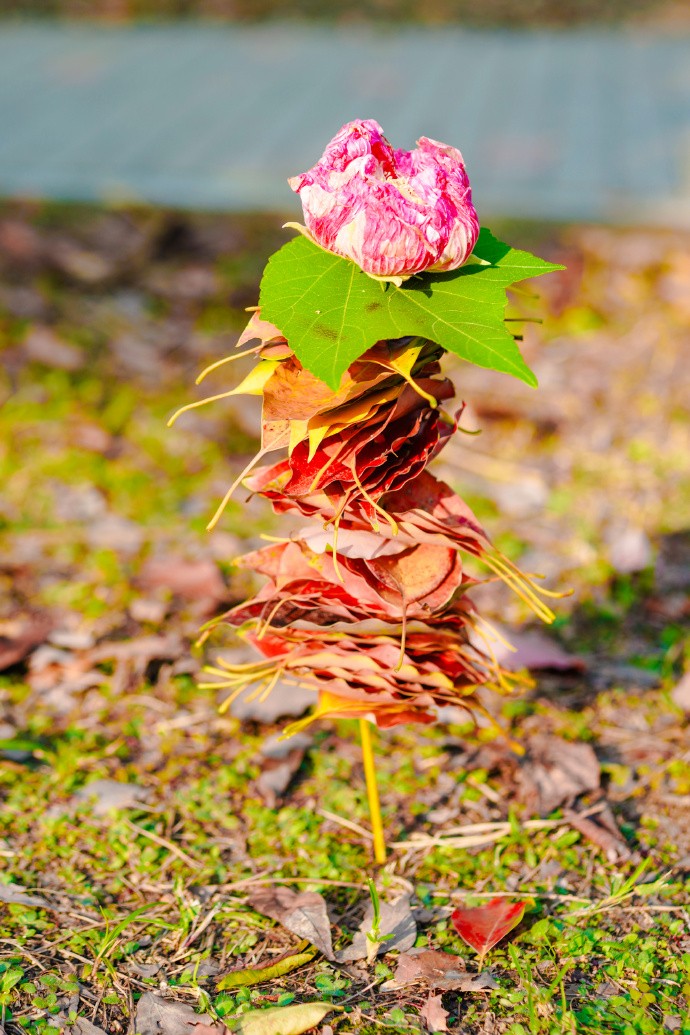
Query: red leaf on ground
[(482, 927)]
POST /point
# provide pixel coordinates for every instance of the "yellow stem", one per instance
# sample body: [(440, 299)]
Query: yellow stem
[(372, 791)]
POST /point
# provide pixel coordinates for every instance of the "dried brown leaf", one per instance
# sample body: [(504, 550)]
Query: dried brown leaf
[(283, 758), (104, 795), (191, 580), (396, 919), (555, 771), (433, 1014), (611, 843), (437, 969), (158, 1016), (20, 635), (16, 895), (680, 695), (303, 913)]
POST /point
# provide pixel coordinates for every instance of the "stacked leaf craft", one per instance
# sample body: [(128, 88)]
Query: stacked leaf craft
[(368, 605)]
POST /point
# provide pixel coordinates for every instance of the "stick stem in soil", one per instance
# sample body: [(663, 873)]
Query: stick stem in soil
[(372, 791)]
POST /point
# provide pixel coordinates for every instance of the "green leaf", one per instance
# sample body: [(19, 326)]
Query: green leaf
[(270, 971), (331, 312)]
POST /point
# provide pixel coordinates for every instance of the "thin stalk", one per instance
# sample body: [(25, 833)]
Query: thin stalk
[(372, 791)]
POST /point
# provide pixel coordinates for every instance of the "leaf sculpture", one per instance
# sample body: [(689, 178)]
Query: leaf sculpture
[(482, 927), (368, 605), (331, 311)]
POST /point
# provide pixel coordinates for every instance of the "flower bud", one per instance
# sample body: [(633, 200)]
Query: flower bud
[(395, 213)]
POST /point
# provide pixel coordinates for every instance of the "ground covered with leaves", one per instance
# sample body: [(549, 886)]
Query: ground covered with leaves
[(155, 854)]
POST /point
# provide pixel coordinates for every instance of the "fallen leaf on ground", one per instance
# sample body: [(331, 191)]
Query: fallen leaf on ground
[(104, 795), (555, 771), (274, 968), (57, 675), (433, 1014), (396, 920), (283, 1020), (114, 532), (80, 1026), (42, 345), (158, 1016), (16, 895), (20, 635), (437, 969), (680, 695), (629, 550), (482, 927), (535, 650), (282, 702), (142, 649), (609, 840), (283, 757), (303, 913), (191, 580)]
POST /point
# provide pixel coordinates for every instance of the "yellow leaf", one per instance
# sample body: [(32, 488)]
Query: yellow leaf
[(257, 975), (284, 1020)]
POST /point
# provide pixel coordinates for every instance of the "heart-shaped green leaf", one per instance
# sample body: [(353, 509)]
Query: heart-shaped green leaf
[(331, 311)]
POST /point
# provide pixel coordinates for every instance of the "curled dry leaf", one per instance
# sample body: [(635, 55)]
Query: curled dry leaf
[(396, 920), (303, 913), (482, 927), (437, 969)]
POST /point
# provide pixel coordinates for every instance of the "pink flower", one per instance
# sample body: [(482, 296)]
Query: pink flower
[(395, 213)]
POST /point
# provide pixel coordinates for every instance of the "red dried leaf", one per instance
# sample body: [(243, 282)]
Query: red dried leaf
[(380, 578), (482, 927)]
